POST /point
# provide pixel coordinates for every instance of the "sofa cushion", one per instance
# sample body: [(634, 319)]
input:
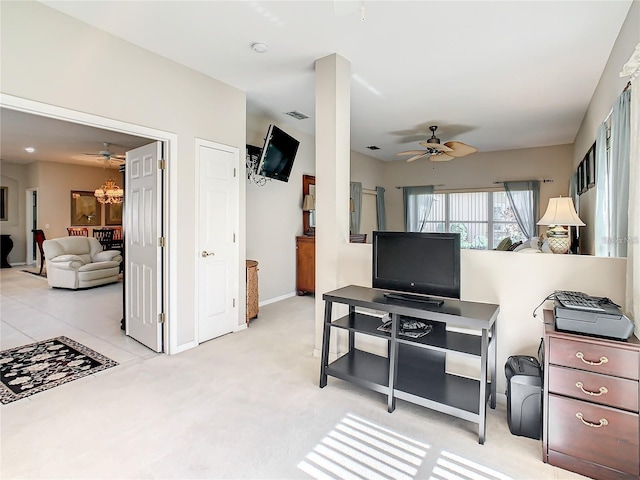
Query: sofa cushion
[(504, 244), (98, 266)]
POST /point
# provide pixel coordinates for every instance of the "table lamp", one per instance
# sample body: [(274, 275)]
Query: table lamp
[(308, 205), (560, 213)]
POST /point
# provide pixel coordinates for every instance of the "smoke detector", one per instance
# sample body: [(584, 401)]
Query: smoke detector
[(259, 47)]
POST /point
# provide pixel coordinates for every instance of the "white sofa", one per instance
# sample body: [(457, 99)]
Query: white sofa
[(80, 262)]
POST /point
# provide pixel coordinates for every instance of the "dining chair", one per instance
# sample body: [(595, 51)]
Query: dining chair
[(78, 231), (38, 238), (104, 236)]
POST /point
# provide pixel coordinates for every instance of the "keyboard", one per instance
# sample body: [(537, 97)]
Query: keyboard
[(578, 301)]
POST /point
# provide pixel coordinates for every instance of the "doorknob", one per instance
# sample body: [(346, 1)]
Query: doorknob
[(205, 254)]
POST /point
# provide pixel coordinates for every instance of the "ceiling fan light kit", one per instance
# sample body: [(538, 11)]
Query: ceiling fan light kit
[(106, 154), (437, 152)]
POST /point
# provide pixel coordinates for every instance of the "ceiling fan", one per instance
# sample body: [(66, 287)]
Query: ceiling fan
[(107, 155), (437, 152)]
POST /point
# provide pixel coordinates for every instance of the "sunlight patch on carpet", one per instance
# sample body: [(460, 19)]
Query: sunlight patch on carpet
[(37, 367), (454, 467), (358, 448)]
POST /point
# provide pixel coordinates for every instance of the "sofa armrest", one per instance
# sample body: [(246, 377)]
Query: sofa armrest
[(67, 262), (108, 256)]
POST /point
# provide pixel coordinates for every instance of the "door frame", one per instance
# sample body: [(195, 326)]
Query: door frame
[(30, 257), (169, 201)]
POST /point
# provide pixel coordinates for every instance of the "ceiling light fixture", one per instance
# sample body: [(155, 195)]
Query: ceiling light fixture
[(109, 193), (29, 149), (259, 47)]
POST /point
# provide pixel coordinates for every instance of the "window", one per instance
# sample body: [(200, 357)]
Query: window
[(483, 219)]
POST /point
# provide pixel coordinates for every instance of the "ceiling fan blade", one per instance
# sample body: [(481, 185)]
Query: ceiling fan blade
[(413, 152), (436, 146), (441, 158), (459, 149), (93, 154), (416, 157)]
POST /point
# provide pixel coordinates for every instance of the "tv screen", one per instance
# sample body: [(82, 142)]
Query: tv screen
[(278, 153), (424, 263)]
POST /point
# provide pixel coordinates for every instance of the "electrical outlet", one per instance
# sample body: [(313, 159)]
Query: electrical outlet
[(46, 225)]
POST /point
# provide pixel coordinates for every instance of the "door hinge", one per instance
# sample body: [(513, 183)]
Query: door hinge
[(234, 237), (161, 317), (234, 172), (162, 164), (161, 242), (234, 303)]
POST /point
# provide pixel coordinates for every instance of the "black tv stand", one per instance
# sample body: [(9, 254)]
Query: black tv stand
[(414, 369), (414, 298)]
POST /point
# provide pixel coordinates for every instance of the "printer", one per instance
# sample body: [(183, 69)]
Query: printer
[(607, 321)]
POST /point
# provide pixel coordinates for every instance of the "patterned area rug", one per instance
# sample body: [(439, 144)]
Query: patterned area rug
[(43, 365)]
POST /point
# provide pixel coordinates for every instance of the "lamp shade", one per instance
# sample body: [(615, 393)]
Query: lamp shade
[(308, 204), (561, 211)]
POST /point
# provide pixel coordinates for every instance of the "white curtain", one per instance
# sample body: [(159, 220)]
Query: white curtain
[(632, 302), (417, 206), (524, 198), (619, 174), (601, 227), (355, 216)]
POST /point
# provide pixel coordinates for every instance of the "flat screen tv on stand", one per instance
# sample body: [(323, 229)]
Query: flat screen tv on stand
[(416, 265)]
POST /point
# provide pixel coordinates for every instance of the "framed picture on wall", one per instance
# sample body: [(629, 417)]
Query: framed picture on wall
[(85, 209), (581, 177), (592, 166), (113, 214), (4, 203)]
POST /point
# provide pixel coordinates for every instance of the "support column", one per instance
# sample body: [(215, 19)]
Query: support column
[(333, 157)]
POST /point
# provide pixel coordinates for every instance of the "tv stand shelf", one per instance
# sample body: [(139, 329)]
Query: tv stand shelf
[(414, 368)]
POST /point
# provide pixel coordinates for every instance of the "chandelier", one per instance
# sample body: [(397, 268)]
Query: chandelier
[(109, 193)]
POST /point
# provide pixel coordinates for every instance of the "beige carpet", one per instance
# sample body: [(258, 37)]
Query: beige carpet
[(246, 405)]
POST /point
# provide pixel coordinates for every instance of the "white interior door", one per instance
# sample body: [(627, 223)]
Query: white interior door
[(143, 253), (218, 253)]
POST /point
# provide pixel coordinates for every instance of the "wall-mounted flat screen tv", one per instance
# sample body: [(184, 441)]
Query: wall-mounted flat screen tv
[(422, 263), (277, 156)]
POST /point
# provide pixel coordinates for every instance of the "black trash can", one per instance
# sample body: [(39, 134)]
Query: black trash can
[(524, 396)]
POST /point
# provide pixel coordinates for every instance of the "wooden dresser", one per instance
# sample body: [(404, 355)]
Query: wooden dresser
[(305, 264), (591, 389)]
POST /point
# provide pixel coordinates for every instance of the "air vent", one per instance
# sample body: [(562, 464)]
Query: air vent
[(373, 147), (297, 115)]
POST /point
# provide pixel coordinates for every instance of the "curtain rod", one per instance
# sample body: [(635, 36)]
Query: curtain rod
[(439, 185), (626, 87), (546, 180)]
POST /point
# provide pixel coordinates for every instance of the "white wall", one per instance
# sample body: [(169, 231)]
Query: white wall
[(480, 170), (54, 197), (610, 85), (609, 88), (517, 282), (51, 58), (274, 215), (274, 211)]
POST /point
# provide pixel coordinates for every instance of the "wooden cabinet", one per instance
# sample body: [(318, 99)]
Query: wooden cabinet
[(252, 290), (305, 264), (591, 393)]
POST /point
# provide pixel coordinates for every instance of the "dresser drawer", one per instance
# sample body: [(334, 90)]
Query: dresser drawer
[(594, 387), (609, 360), (595, 433)]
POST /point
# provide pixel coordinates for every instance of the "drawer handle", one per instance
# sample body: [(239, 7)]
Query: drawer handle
[(602, 423), (603, 360), (602, 391)]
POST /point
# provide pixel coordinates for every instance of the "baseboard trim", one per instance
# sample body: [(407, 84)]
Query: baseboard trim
[(276, 299)]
